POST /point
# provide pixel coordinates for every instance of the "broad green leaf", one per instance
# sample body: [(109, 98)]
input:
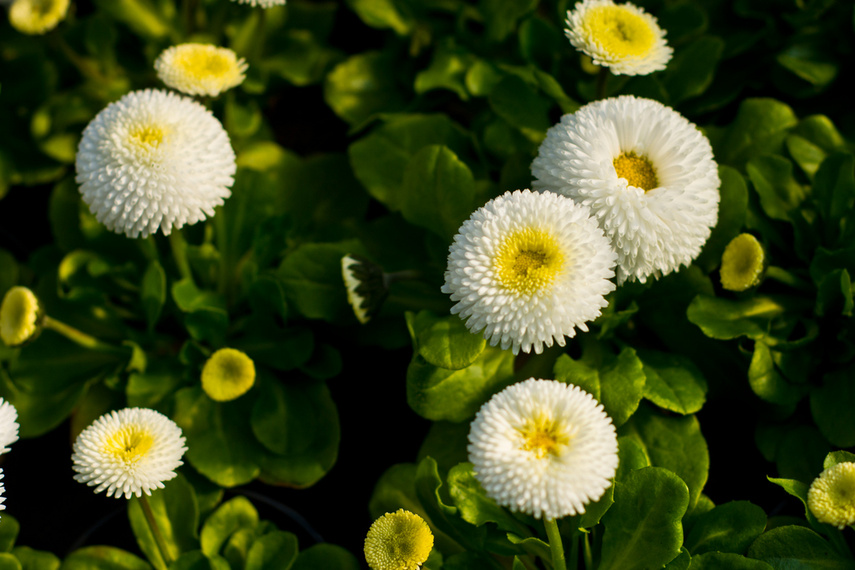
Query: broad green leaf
[(438, 191), (177, 515), (622, 383), (9, 562), (35, 559), (230, 517), (446, 443), (797, 547), (767, 382), (725, 319), (800, 453), (836, 457), (675, 443), (273, 551), (103, 558), (834, 294), (447, 70), (278, 348), (673, 382), (445, 342), (392, 14), (474, 505), (643, 527), (500, 16), (820, 130), (220, 443), (760, 127), (730, 527), (772, 178), (9, 528), (808, 64), (681, 561), (579, 374), (327, 556), (196, 560), (468, 561), (363, 85), (692, 69), (300, 58), (718, 560), (682, 21), (153, 292), (522, 106), (806, 154), (395, 489), (64, 215), (834, 193), (831, 406), (140, 15)]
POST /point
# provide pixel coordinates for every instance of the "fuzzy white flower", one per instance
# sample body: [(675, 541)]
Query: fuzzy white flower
[(262, 3), (529, 269), (36, 17), (200, 69), (8, 425), (129, 452), (154, 159), (622, 37), (647, 175), (544, 448)]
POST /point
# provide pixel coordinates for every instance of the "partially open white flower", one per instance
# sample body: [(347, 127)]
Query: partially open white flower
[(262, 3), (36, 17), (544, 448), (529, 269), (647, 175), (129, 452), (154, 159), (8, 425), (622, 37), (200, 69)]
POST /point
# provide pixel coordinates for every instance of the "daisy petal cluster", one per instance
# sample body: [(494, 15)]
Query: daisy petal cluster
[(528, 269), (544, 448), (36, 17), (622, 37), (398, 541), (154, 159), (646, 174), (831, 497), (2, 491), (129, 452), (262, 3), (228, 374), (19, 316), (200, 69), (8, 425)]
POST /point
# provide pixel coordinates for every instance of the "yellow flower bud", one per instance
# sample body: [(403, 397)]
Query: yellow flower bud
[(228, 374), (19, 316), (398, 541)]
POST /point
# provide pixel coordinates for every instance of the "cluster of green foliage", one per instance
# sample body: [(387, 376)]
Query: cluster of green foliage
[(438, 106)]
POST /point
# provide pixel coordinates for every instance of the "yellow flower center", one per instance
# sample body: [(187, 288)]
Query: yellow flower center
[(544, 436), (150, 136), (129, 444), (201, 62), (619, 31), (228, 374), (636, 170), (831, 497), (742, 263), (398, 541), (18, 316), (37, 16), (528, 261)]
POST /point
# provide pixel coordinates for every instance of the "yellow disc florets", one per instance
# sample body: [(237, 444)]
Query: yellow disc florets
[(19, 316), (636, 170), (228, 374), (398, 541), (831, 497), (36, 17), (528, 261), (742, 263)]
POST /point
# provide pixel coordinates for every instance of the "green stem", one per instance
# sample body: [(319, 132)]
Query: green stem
[(179, 253), (586, 552), (555, 544), (79, 337), (84, 66), (602, 79), (787, 278), (155, 531)]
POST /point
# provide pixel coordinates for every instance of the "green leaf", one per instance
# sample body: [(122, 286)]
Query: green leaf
[(675, 443), (806, 154), (230, 517), (391, 14), (140, 15), (579, 374), (445, 342), (220, 443), (326, 555), (311, 278), (35, 559), (831, 406), (395, 489), (500, 16), (760, 127), (196, 560), (300, 58), (439, 191), (834, 194), (834, 294), (643, 527), (797, 547), (800, 453), (836, 457), (673, 382), (103, 558), (725, 319), (730, 527), (153, 292), (622, 383), (681, 562), (447, 70), (522, 106), (692, 69), (767, 382), (9, 562), (273, 551), (8, 272), (717, 560), (9, 529), (807, 63), (446, 442), (177, 515), (772, 177), (474, 505), (363, 85)]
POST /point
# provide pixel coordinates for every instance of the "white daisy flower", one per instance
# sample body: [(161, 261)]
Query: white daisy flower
[(647, 175), (8, 425), (200, 69), (2, 491), (528, 269), (129, 452), (154, 159), (544, 448), (622, 37), (36, 17), (262, 3)]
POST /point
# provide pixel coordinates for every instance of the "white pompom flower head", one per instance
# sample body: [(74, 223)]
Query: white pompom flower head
[(128, 452), (200, 69), (622, 37), (645, 172), (544, 448), (154, 159), (529, 269)]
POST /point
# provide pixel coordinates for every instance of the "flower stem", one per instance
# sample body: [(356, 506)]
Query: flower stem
[(586, 552), (788, 278), (555, 544), (179, 253), (79, 337), (155, 530)]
